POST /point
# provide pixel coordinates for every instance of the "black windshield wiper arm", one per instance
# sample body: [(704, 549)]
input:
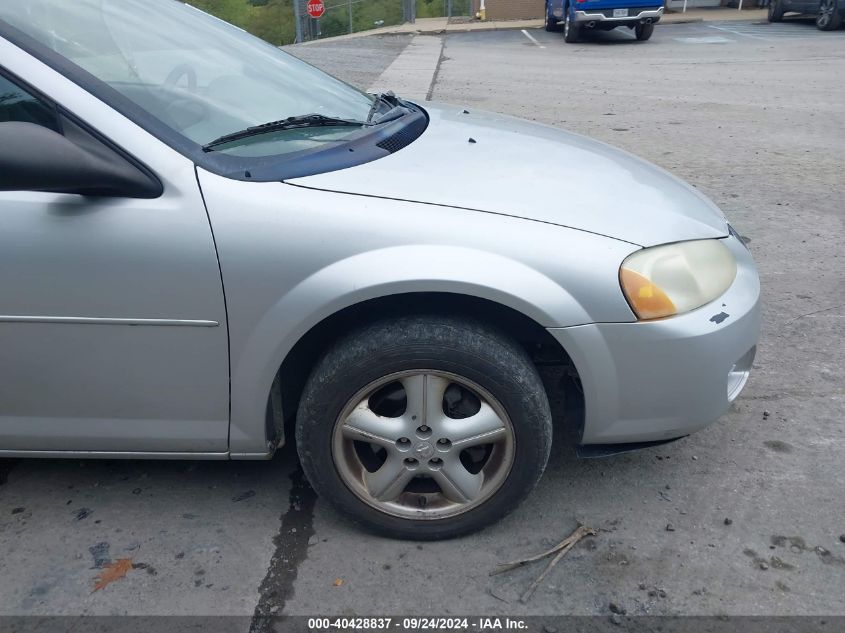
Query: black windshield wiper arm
[(397, 108), (290, 123)]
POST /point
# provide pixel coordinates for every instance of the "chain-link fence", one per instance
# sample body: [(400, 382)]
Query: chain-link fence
[(447, 8), (287, 21), (350, 16)]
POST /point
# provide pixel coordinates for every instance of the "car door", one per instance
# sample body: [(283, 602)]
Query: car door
[(802, 6), (113, 334)]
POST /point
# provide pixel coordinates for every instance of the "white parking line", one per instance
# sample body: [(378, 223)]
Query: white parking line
[(777, 31), (736, 32), (703, 40), (531, 37)]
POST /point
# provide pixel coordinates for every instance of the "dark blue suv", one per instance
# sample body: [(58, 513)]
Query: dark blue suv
[(577, 15)]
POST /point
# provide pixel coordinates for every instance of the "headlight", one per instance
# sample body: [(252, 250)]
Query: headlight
[(676, 278)]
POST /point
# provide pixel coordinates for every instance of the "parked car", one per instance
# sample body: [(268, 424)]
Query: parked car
[(605, 15), (210, 248), (829, 13)]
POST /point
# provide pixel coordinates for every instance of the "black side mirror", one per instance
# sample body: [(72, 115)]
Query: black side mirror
[(34, 158)]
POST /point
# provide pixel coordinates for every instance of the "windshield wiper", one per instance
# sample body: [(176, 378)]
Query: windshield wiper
[(290, 123), (396, 108)]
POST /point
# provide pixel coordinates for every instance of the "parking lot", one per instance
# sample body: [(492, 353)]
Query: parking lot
[(745, 517)]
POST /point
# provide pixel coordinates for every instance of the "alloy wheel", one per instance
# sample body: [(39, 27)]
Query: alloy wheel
[(423, 444), (826, 9)]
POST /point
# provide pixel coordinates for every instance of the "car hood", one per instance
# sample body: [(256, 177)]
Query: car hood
[(499, 164)]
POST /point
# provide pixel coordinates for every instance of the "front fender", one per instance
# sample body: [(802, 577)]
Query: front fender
[(291, 257), (375, 274)]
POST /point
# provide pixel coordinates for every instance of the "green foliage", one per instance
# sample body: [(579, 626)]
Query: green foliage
[(273, 21), (431, 8), (439, 8)]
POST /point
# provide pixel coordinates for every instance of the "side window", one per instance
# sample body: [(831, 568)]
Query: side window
[(16, 104)]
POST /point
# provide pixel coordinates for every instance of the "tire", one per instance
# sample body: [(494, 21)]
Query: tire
[(643, 31), (550, 23), (775, 11), (828, 18), (571, 29), (360, 383)]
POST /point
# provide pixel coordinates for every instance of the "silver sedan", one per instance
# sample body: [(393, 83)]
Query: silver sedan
[(210, 248)]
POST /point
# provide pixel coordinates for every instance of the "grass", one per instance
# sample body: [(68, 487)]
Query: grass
[(273, 20)]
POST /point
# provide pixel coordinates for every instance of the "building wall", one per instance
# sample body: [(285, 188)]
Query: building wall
[(695, 4), (513, 9)]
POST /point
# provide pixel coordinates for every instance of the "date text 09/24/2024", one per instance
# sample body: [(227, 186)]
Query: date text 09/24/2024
[(417, 624)]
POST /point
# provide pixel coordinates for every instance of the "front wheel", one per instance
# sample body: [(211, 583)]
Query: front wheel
[(775, 11), (424, 427), (643, 31), (571, 28), (828, 17)]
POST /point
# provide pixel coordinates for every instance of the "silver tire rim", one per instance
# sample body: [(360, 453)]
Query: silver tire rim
[(825, 12), (420, 463)]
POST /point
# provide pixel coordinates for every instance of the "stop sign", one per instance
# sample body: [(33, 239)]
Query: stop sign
[(315, 8)]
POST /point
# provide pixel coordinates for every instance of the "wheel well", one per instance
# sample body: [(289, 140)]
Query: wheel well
[(555, 366)]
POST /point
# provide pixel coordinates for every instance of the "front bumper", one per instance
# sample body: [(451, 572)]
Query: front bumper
[(657, 380), (652, 15)]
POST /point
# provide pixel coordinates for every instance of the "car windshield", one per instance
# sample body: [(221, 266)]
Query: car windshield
[(197, 75)]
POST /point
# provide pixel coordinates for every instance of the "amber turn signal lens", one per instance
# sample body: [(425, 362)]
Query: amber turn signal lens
[(669, 279), (647, 300)]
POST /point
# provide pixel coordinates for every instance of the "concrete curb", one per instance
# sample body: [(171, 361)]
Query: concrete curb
[(412, 73)]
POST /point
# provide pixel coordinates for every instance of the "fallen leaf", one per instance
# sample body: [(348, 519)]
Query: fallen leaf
[(111, 572), (337, 582)]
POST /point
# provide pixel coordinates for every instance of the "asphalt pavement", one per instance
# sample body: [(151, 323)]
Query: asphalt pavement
[(743, 518)]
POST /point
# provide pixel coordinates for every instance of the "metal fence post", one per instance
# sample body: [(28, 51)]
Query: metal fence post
[(349, 3), (297, 20)]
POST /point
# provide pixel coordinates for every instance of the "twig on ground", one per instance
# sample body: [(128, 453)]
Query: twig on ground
[(561, 548), (814, 312)]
